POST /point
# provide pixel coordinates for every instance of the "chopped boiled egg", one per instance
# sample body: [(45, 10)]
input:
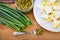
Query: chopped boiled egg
[(56, 24), (51, 12), (48, 9), (49, 3), (48, 19), (45, 0), (52, 16), (44, 3), (52, 3), (52, 0), (40, 6), (55, 3), (57, 14), (43, 11), (44, 16), (57, 7)]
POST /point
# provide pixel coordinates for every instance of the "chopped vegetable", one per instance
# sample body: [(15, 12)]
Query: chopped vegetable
[(13, 18), (38, 31), (24, 4)]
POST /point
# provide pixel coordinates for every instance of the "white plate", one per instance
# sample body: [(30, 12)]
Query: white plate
[(40, 21)]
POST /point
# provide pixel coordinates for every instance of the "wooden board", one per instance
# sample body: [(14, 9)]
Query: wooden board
[(7, 1), (6, 33)]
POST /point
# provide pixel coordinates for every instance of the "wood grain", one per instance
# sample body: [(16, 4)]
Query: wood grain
[(8, 1), (6, 33)]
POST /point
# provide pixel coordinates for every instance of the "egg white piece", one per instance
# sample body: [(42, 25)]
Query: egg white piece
[(51, 0), (56, 22), (44, 16), (52, 18), (56, 8), (57, 14), (40, 6), (48, 9)]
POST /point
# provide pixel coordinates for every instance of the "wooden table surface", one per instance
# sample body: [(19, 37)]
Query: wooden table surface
[(6, 33)]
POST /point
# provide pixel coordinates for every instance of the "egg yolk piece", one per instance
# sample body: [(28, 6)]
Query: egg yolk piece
[(55, 25)]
